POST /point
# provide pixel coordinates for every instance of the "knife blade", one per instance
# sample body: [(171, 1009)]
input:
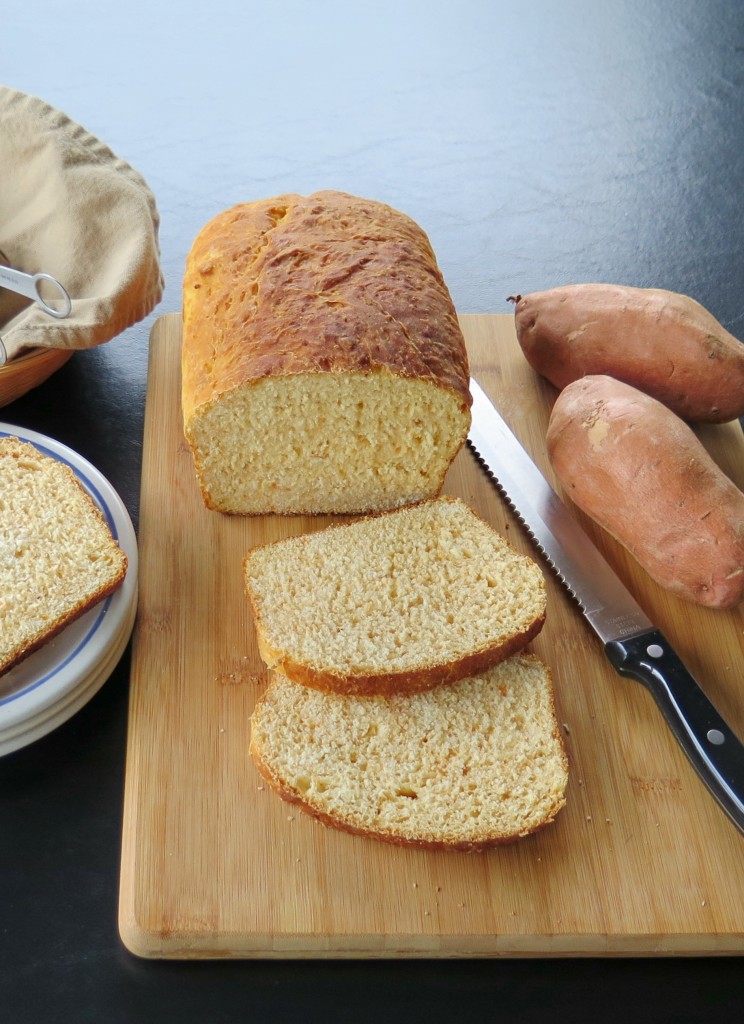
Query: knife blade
[(633, 644)]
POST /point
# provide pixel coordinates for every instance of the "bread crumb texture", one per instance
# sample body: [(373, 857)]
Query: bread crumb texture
[(403, 600), (57, 554), (336, 443), (476, 763), (324, 369)]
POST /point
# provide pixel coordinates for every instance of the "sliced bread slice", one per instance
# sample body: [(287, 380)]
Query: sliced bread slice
[(57, 555), (399, 602), (466, 766)]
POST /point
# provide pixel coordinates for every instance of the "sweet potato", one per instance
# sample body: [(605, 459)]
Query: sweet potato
[(663, 343), (642, 474)]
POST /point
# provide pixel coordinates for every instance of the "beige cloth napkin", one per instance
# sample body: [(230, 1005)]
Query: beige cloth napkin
[(71, 208)]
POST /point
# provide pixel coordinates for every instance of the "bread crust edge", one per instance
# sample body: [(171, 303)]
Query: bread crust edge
[(291, 796), (393, 839), (40, 641), (389, 684)]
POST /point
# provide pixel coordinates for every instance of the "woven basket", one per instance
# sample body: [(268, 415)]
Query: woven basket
[(29, 370)]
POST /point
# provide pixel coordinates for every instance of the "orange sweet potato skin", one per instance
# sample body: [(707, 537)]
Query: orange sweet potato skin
[(642, 474), (663, 343)]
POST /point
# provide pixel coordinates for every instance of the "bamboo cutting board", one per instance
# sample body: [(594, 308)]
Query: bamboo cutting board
[(641, 861)]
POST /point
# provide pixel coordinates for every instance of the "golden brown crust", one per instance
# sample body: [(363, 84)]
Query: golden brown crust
[(661, 342), (314, 284), (391, 683)]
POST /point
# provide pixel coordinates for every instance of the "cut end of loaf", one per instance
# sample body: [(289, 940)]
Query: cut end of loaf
[(399, 602), (57, 555), (323, 366), (326, 443), (463, 767)]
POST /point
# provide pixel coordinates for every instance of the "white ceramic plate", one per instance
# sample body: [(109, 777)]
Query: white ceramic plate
[(46, 721), (60, 676)]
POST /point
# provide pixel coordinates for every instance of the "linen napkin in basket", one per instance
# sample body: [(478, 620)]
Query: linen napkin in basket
[(71, 208)]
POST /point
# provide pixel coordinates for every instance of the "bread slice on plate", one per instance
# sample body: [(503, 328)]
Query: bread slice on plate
[(398, 602), (58, 557), (466, 766)]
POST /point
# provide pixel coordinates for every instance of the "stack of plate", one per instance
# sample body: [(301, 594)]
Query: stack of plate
[(48, 687)]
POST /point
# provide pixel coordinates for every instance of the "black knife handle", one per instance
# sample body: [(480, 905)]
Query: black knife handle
[(714, 750)]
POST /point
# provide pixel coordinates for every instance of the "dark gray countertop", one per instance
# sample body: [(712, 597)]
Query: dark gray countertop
[(538, 144)]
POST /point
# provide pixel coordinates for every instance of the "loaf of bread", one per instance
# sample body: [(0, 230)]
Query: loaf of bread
[(323, 365), (397, 602), (462, 767), (58, 557)]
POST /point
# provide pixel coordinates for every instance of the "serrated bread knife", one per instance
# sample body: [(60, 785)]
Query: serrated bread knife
[(634, 646)]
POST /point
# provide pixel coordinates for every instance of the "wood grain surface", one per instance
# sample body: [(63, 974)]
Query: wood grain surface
[(640, 862)]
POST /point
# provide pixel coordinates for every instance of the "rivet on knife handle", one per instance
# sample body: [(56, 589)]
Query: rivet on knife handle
[(705, 737), (632, 643)]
